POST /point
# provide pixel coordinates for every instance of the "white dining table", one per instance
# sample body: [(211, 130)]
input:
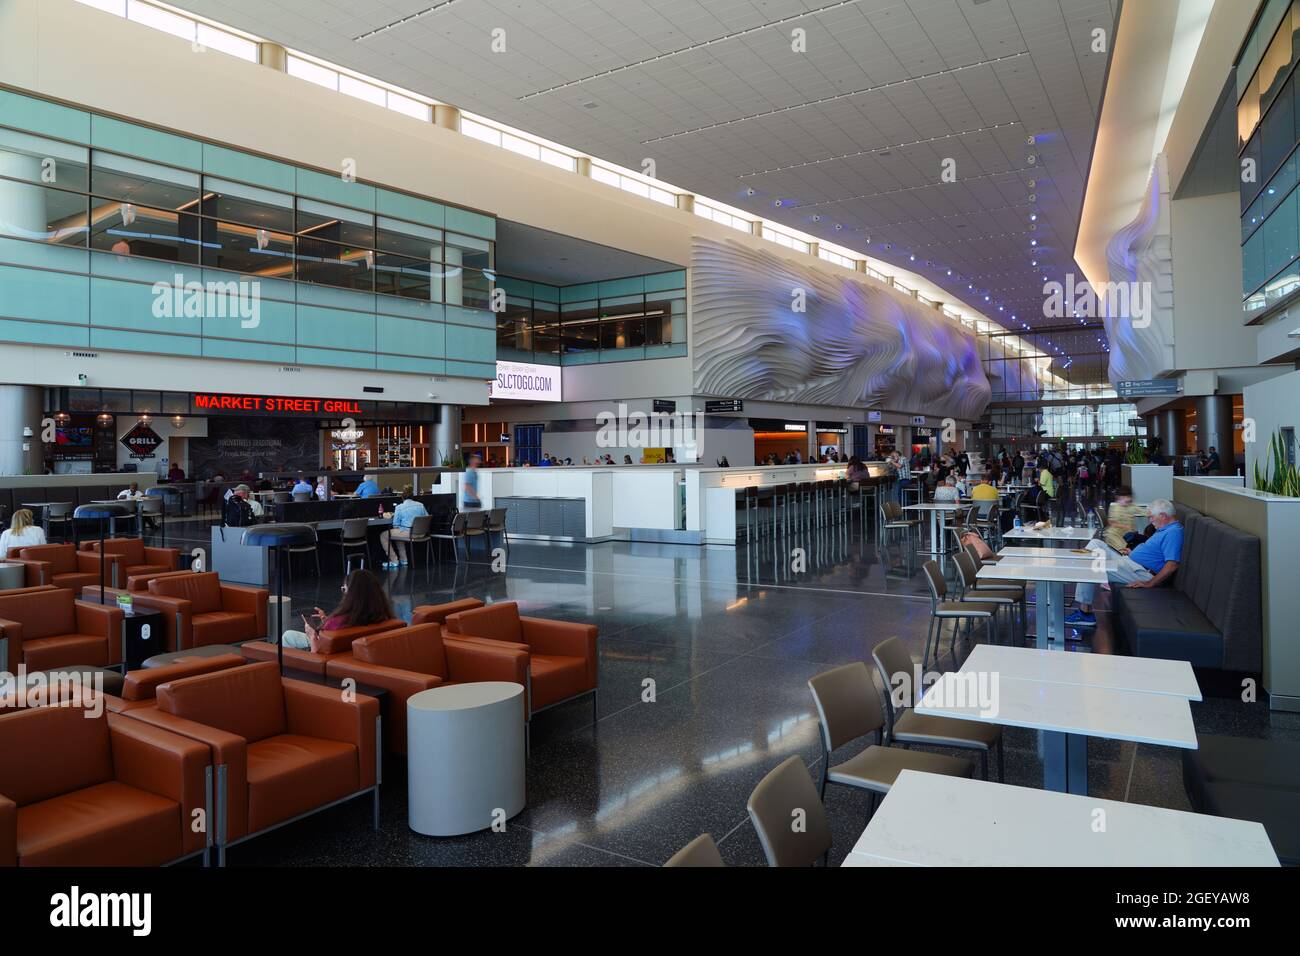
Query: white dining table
[(1050, 573), (932, 820), (1067, 714), (1055, 536), (1012, 551), (1147, 675), (936, 508)]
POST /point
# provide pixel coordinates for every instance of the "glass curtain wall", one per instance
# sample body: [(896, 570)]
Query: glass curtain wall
[(1267, 124), (69, 195)]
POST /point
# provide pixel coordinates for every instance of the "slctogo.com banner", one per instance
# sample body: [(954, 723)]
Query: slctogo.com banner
[(540, 383)]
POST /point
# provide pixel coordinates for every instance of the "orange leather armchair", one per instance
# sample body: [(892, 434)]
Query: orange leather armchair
[(200, 609), (50, 628), (562, 654), (77, 790), (140, 687), (133, 558), (407, 661), (282, 748), (438, 613), (334, 644), (63, 566)]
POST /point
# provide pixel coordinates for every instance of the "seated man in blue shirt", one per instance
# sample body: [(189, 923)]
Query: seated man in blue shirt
[(367, 488), (1148, 565), (404, 516), (301, 486)]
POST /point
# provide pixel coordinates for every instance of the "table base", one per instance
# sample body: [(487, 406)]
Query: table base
[(1065, 762)]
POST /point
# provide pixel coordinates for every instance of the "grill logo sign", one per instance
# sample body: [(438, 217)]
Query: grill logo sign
[(141, 441)]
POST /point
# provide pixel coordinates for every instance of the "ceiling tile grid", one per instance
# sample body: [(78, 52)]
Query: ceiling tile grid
[(854, 131)]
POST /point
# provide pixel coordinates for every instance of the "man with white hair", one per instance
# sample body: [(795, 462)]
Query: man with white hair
[(1148, 565)]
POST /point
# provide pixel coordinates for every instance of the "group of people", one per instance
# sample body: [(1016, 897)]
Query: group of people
[(828, 455)]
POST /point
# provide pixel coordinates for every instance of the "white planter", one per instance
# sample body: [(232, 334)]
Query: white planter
[(1149, 481)]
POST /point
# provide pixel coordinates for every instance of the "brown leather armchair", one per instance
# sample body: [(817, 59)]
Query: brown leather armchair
[(50, 628), (77, 790), (140, 687), (201, 609), (134, 558), (63, 566), (282, 748), (334, 644), (438, 613), (407, 661), (562, 654)]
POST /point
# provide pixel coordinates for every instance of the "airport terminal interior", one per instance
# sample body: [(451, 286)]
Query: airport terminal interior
[(632, 433)]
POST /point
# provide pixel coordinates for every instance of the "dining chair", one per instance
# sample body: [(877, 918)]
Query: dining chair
[(701, 851), (905, 726), (311, 549), (421, 532), (848, 709), (354, 534), (959, 612), (785, 795)]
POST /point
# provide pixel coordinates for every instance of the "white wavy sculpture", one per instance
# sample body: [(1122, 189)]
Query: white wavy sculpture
[(1142, 252), (857, 342)]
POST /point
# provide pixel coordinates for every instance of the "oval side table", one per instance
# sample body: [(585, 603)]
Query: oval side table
[(465, 756)]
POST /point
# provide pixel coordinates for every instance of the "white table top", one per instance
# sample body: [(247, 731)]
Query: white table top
[(932, 820), (1160, 719), (1146, 675), (464, 696), (935, 506), (1043, 569), (1052, 534), (1015, 552)]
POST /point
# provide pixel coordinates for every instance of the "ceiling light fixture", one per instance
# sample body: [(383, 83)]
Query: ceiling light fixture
[(407, 19)]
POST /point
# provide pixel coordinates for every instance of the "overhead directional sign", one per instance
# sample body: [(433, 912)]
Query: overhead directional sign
[(1147, 388), (724, 405)]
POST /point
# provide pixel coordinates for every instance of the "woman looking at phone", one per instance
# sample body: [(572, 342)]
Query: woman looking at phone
[(364, 602)]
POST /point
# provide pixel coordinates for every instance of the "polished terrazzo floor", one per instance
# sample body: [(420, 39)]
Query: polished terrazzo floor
[(730, 638)]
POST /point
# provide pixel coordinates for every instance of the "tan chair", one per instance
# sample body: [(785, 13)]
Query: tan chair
[(906, 726), (941, 609), (896, 520), (355, 533), (701, 851), (772, 808), (848, 706), (476, 527), (1004, 594)]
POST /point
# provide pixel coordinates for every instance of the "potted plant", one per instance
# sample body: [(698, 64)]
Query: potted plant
[(1278, 477), (1136, 453)]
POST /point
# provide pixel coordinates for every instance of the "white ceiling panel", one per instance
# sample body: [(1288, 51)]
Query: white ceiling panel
[(853, 131)]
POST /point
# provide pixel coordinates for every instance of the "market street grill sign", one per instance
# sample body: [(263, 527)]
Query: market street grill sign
[(141, 441), (220, 403)]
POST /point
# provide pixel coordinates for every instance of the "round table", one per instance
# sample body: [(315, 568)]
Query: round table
[(206, 650), (12, 575), (465, 757)]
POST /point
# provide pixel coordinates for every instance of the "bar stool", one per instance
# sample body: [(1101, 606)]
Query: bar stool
[(803, 501), (785, 496), (747, 498)]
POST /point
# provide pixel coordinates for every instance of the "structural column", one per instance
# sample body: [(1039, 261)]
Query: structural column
[(446, 435), (1171, 432), (1214, 428), (448, 117), (21, 408)]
